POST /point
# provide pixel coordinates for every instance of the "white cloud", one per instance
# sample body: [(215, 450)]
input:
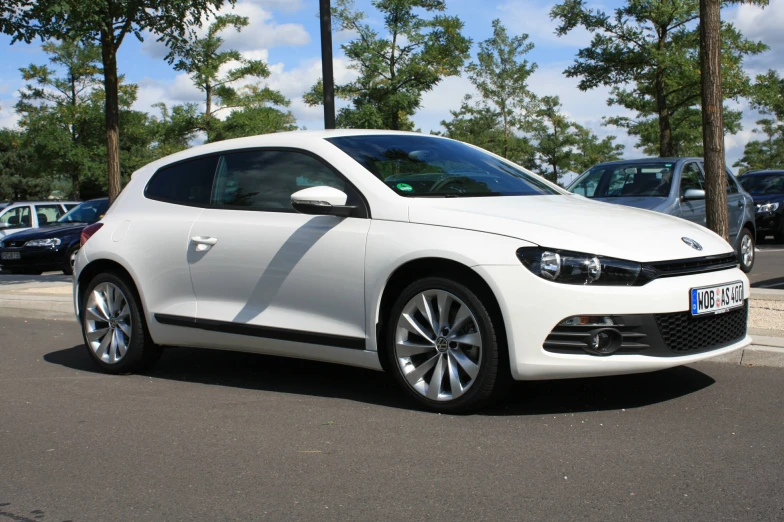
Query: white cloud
[(762, 24), (289, 6), (533, 18)]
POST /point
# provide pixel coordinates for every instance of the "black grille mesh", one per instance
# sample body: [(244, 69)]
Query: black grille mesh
[(683, 333), (14, 244)]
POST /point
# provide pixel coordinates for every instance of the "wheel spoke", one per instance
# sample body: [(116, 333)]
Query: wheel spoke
[(96, 314), (465, 363), (126, 328), (423, 305), (100, 304), (117, 305), (473, 339), (113, 347), (444, 301), (105, 342), (463, 314), (407, 348), (125, 312), (434, 387), (454, 377), (412, 325), (122, 344), (416, 375), (96, 334)]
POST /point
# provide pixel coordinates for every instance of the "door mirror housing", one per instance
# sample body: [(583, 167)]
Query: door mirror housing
[(321, 201), (694, 194)]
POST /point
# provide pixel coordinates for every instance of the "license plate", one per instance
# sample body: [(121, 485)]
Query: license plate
[(11, 255), (716, 299)]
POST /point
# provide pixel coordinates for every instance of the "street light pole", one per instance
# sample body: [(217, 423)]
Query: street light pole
[(326, 64)]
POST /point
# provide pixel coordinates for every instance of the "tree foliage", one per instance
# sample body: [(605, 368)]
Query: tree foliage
[(420, 48), (768, 152), (647, 52)]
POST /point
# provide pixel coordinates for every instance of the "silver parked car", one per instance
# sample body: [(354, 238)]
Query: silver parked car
[(23, 215), (674, 186)]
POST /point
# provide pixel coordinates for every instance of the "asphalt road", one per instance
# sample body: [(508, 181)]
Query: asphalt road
[(768, 271), (211, 435)]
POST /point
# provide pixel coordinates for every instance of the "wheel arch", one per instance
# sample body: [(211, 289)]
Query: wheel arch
[(418, 268), (100, 266)]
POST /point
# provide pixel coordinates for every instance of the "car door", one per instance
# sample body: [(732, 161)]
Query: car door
[(48, 213), (15, 219), (736, 203), (692, 178), (263, 270)]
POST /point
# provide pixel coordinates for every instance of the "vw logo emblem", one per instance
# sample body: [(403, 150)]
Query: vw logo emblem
[(441, 344), (689, 241)]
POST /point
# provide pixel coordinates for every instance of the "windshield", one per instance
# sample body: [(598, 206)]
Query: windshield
[(763, 183), (426, 166), (87, 212), (625, 180)]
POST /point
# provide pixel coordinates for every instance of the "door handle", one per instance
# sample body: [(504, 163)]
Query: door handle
[(740, 204), (204, 242)]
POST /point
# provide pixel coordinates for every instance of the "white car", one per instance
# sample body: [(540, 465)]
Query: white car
[(445, 265)]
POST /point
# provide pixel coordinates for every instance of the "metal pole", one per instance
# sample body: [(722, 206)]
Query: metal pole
[(326, 64)]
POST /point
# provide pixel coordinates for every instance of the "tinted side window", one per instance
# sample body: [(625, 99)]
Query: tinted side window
[(17, 217), (266, 179), (691, 178), (587, 186), (48, 213), (185, 183), (732, 188)]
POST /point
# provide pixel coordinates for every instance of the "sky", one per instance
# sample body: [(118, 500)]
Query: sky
[(285, 33)]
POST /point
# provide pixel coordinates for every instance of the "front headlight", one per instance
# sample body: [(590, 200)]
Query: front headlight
[(768, 207), (51, 242), (573, 268)]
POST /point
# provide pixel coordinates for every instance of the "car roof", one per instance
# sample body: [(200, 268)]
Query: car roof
[(649, 160), (41, 202), (763, 172)]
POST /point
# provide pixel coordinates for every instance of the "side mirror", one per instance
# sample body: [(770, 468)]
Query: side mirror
[(322, 201), (694, 194)]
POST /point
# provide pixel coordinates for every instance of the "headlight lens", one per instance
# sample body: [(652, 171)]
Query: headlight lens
[(574, 268), (51, 242), (768, 207)]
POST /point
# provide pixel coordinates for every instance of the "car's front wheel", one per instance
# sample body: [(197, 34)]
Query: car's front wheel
[(746, 253), (115, 333), (443, 348)]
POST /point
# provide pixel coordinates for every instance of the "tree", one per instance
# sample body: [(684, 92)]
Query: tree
[(57, 110), (396, 69), (554, 138), (648, 53), (768, 98), (256, 115), (500, 75), (590, 151), (18, 175), (481, 125), (106, 23)]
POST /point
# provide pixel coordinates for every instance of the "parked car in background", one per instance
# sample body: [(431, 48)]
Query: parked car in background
[(451, 268), (23, 215), (767, 189), (52, 246), (674, 186), (3, 204)]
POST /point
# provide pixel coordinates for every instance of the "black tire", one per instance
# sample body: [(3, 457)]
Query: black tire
[(141, 353), (746, 267), (67, 268), (493, 376)]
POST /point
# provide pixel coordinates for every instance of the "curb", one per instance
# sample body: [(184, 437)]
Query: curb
[(766, 294)]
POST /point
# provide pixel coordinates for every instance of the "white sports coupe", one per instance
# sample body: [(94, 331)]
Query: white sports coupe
[(450, 267)]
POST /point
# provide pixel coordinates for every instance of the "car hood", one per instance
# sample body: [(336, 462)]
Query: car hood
[(761, 199), (647, 203), (47, 231), (573, 223)]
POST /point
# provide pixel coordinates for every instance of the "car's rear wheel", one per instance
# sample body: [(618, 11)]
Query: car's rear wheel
[(113, 326), (746, 253), (442, 346)]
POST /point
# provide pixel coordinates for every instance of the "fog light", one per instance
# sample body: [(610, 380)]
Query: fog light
[(605, 341), (587, 320)]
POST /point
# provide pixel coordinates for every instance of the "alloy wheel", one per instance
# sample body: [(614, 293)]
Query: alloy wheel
[(438, 345), (107, 323), (72, 259), (747, 250)]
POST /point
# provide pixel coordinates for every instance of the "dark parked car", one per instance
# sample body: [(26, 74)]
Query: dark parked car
[(53, 246), (767, 189), (674, 186)]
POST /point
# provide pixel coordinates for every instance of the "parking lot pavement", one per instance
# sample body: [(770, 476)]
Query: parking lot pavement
[(227, 436), (768, 271)]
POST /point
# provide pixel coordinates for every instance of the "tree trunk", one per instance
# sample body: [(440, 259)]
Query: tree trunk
[(77, 195), (665, 130), (712, 118), (111, 85)]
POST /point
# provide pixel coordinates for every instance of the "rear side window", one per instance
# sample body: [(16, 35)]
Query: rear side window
[(185, 183), (16, 217), (48, 213), (266, 179)]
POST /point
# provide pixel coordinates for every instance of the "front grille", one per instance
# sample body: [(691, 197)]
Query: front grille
[(14, 244), (574, 339), (680, 267), (683, 333)]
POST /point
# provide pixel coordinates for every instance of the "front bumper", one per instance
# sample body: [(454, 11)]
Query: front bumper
[(35, 258), (532, 307), (768, 223)]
